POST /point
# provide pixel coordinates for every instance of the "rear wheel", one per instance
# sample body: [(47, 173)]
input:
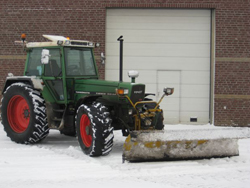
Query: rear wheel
[(94, 131), (24, 114)]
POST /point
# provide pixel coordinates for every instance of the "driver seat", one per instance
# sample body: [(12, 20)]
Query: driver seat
[(52, 68)]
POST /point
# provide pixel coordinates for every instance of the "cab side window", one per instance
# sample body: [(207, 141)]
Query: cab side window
[(34, 67), (53, 68)]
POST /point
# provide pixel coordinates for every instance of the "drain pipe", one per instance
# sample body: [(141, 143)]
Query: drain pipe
[(121, 56)]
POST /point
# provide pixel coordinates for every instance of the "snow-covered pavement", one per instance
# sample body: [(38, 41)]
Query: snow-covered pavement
[(59, 162)]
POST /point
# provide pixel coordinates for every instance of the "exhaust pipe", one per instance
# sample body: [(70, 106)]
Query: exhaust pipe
[(121, 56)]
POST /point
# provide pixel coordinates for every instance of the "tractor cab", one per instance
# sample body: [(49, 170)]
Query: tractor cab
[(59, 62), (76, 57)]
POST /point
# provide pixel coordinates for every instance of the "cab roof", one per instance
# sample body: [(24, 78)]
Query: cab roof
[(60, 41)]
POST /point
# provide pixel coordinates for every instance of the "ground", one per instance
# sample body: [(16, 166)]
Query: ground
[(59, 162)]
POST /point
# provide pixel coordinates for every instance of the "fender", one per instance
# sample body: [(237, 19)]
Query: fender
[(86, 100), (33, 81)]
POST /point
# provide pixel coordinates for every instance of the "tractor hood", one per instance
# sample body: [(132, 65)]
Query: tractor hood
[(97, 82), (86, 87)]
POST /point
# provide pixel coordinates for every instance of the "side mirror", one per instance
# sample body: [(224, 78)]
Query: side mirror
[(103, 58), (45, 56)]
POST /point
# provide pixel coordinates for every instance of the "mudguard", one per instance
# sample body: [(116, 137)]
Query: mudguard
[(33, 81)]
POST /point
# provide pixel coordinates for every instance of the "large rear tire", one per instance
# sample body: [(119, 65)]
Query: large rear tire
[(94, 131), (24, 114)]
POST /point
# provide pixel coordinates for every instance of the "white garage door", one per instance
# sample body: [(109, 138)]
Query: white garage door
[(169, 48)]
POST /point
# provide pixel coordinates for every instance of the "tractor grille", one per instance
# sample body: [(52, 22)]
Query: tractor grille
[(137, 93)]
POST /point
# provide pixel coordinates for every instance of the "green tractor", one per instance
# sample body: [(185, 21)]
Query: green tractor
[(61, 90)]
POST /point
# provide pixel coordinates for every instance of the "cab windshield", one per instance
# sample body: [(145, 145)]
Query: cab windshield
[(79, 62)]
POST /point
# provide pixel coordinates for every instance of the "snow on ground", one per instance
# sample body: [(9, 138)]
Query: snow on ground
[(59, 162)]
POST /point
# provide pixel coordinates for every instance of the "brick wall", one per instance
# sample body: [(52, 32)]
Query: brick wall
[(77, 19), (232, 68), (233, 112), (85, 19), (232, 93)]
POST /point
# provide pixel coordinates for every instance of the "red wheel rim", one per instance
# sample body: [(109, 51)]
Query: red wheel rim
[(85, 130), (18, 113)]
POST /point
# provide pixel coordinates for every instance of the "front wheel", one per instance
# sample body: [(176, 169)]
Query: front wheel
[(160, 125), (24, 114), (159, 121), (94, 131)]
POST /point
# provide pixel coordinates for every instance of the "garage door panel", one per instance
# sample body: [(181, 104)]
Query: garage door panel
[(113, 48), (162, 50), (160, 36), (161, 63), (169, 77), (171, 104), (152, 12), (171, 20), (146, 76), (198, 91), (194, 104), (178, 24), (197, 78)]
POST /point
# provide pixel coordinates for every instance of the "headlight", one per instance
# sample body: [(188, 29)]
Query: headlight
[(67, 42), (168, 91), (122, 91), (90, 44), (130, 111), (59, 42)]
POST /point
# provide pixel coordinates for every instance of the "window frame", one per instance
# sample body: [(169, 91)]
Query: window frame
[(81, 64)]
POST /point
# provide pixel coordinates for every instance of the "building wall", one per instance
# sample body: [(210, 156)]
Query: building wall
[(85, 19)]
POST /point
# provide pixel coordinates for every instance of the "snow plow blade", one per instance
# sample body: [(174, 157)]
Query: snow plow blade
[(183, 144)]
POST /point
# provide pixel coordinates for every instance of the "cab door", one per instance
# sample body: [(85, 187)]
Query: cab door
[(53, 76)]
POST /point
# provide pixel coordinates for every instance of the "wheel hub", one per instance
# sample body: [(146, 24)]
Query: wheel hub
[(85, 130), (26, 113), (18, 113)]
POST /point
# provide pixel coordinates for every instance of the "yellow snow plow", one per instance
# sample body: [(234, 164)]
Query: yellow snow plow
[(149, 142), (173, 144)]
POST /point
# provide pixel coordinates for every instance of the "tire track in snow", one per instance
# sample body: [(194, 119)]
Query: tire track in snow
[(59, 162)]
